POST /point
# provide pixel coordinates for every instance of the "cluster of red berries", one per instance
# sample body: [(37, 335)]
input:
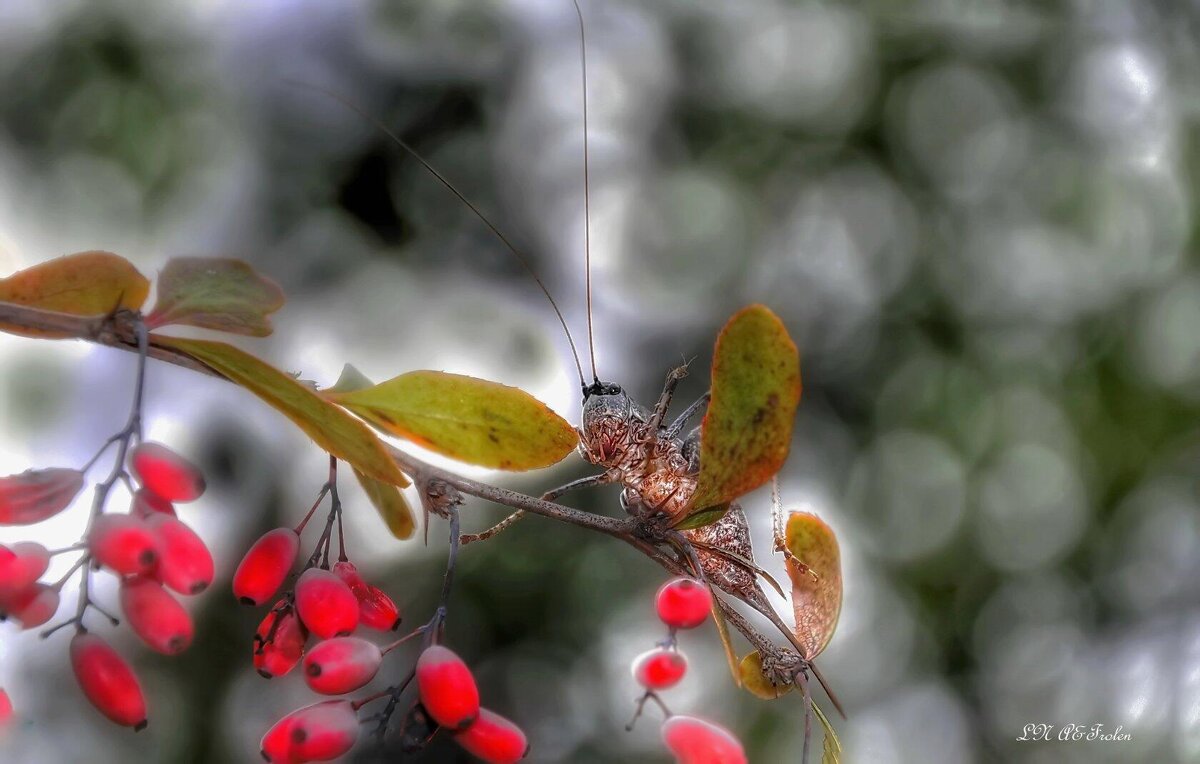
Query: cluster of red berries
[(327, 604), (683, 603), (330, 603), (449, 699), (149, 549)]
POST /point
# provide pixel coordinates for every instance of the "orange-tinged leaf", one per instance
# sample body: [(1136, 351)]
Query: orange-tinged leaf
[(36, 495), (756, 683), (471, 420), (815, 567), (215, 293), (391, 505), (333, 429), (747, 429), (82, 284)]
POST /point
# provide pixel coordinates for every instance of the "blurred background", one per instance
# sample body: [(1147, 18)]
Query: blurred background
[(978, 220)]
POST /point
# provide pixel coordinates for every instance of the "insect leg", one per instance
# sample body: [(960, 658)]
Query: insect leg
[(682, 420), (664, 400), (602, 479), (691, 451)]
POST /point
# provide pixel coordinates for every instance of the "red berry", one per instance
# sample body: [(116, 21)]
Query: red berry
[(155, 616), (166, 473), (38, 604), (264, 568), (22, 565), (340, 665), (447, 688), (348, 572), (494, 739), (6, 709), (320, 732), (185, 564), (277, 653), (695, 741), (325, 604), (683, 603), (147, 504), (12, 600), (107, 680), (376, 610), (124, 544), (659, 669), (276, 745)]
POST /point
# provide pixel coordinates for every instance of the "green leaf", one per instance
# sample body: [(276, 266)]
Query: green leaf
[(391, 505), (333, 429), (755, 682), (83, 284), (815, 567), (831, 750), (747, 430), (215, 293), (471, 420), (702, 518)]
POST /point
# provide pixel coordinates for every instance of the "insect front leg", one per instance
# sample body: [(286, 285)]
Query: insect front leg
[(664, 400), (681, 421), (593, 480)]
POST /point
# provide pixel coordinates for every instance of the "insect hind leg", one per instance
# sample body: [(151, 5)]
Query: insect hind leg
[(586, 482)]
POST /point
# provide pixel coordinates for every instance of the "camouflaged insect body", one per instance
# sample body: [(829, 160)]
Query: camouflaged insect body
[(658, 475)]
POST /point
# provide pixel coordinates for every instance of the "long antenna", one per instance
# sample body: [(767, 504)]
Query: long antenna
[(587, 194), (450, 186)]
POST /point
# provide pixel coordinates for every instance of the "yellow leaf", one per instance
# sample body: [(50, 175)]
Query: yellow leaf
[(747, 430), (831, 749), (816, 572), (726, 643), (755, 682), (333, 429), (471, 420), (391, 505), (82, 284)]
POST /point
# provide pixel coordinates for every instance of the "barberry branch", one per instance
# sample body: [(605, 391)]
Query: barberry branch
[(124, 330), (131, 430), (431, 632), (641, 706)]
